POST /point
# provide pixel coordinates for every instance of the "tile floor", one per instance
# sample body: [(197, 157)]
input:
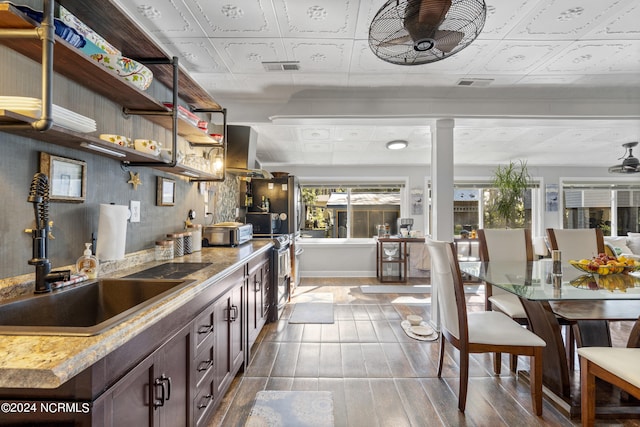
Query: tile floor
[(378, 375)]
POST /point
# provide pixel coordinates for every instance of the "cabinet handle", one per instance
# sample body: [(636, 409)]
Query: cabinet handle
[(207, 399), (205, 329), (257, 286), (159, 402), (234, 310), (166, 380), (204, 365)]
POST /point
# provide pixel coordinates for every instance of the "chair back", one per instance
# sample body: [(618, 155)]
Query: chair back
[(505, 244), (445, 274), (576, 243)]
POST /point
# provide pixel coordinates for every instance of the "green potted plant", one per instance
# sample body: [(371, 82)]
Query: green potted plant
[(511, 182)]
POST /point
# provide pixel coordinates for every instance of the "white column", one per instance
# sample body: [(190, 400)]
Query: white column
[(441, 195), (442, 179)]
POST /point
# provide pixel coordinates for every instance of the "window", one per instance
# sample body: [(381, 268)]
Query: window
[(350, 211), (614, 208), (473, 208)]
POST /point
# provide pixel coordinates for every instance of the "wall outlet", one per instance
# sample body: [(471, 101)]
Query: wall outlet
[(134, 207)]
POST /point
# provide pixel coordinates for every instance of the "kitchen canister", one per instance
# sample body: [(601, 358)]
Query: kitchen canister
[(164, 250), (187, 237), (178, 244), (196, 233)]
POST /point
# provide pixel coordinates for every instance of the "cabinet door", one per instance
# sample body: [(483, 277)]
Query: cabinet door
[(222, 337), (130, 401), (172, 373), (236, 327)]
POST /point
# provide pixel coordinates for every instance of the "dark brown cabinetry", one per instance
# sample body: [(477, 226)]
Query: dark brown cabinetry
[(229, 336), (175, 372), (156, 391), (258, 284)]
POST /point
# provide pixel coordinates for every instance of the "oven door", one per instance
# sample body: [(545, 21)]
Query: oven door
[(282, 279)]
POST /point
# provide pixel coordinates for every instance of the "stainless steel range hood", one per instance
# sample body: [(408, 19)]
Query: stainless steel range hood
[(241, 159)]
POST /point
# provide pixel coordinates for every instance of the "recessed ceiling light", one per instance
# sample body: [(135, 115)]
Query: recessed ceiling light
[(397, 144)]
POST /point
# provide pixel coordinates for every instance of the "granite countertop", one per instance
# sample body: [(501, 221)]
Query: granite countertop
[(44, 361)]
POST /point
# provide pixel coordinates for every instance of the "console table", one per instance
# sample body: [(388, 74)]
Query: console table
[(392, 257)]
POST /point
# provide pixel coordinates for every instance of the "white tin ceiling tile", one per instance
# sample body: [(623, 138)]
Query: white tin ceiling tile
[(623, 25), (367, 11), (196, 55), (353, 133), (265, 85), (388, 133), (246, 18), (277, 133), (324, 19), (561, 19), (519, 57), (314, 134), (164, 18), (318, 56), (247, 55), (627, 60), (503, 15), (583, 57), (317, 147)]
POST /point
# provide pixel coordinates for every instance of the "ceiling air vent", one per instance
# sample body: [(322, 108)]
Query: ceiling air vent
[(474, 82), (281, 66)]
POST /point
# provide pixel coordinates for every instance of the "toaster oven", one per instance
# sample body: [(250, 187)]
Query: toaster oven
[(226, 234)]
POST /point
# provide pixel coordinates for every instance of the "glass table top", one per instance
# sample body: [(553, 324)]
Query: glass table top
[(535, 281)]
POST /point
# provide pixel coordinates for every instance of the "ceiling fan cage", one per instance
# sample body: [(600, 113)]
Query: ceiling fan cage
[(413, 32)]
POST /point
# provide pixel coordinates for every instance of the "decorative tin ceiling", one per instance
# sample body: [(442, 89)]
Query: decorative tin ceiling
[(556, 82)]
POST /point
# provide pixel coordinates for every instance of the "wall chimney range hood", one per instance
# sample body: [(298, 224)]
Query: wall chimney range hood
[(242, 145)]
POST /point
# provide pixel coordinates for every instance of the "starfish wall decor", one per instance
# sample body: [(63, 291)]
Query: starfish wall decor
[(134, 180)]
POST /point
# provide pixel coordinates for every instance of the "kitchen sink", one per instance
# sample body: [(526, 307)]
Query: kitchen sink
[(86, 309)]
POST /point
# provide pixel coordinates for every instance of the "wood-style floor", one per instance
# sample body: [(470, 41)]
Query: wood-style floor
[(378, 375)]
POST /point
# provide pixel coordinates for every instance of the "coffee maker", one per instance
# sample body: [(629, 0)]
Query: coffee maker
[(404, 224)]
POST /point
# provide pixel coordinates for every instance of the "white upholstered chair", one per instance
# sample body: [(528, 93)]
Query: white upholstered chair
[(505, 245), (576, 243), (616, 365), (478, 332)]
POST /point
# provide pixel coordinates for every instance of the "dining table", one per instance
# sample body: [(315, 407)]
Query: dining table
[(566, 295)]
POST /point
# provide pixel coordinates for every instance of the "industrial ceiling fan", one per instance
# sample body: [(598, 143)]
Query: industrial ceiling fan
[(413, 32), (630, 164)]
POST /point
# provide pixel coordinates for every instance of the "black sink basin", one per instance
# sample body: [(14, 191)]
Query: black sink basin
[(84, 310)]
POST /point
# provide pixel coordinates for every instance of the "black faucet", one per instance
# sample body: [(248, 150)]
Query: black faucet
[(39, 196)]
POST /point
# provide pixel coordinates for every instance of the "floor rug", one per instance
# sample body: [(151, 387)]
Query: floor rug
[(395, 289), (313, 308), (275, 408)]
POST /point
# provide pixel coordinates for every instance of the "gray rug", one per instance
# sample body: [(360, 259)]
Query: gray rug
[(291, 408), (312, 312), (395, 289)]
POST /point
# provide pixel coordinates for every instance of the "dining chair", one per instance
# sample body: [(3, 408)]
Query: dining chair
[(477, 332), (505, 244), (576, 243), (615, 365)]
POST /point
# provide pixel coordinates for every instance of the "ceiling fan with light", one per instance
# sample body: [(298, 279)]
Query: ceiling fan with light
[(630, 164), (413, 32)]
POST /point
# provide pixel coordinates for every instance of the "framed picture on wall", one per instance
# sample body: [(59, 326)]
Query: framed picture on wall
[(166, 192), (67, 178)]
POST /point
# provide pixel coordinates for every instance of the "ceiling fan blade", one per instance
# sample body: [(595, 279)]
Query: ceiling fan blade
[(446, 40), (429, 12), (422, 17), (406, 39)]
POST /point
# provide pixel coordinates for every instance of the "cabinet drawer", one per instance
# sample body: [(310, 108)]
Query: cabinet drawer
[(203, 364), (203, 403), (203, 327)]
